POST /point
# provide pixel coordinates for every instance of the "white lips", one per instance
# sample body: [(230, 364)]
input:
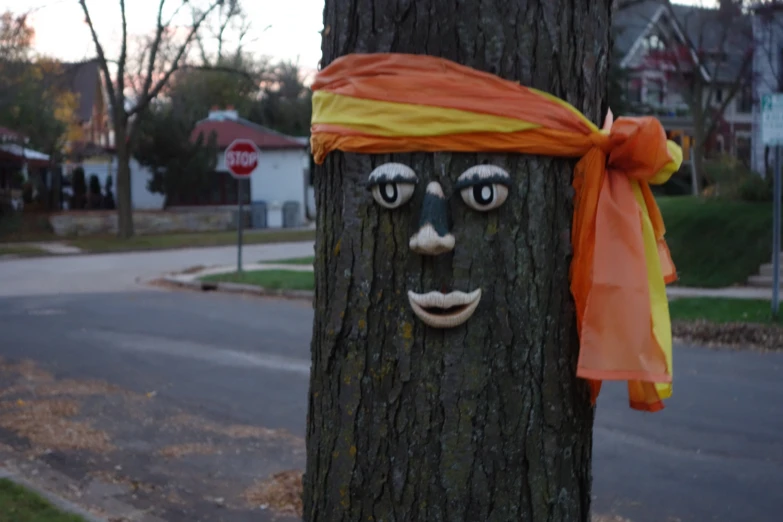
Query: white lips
[(465, 305)]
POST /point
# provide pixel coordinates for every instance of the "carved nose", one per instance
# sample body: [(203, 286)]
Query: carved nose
[(433, 237)]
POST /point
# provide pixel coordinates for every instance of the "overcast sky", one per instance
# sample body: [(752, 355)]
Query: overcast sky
[(293, 33)]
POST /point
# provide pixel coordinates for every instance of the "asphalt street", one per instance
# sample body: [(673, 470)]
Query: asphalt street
[(714, 454)]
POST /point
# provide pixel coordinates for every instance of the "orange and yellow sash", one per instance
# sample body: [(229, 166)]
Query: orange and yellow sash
[(393, 103)]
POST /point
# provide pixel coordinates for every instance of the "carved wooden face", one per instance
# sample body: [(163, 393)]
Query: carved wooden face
[(482, 188)]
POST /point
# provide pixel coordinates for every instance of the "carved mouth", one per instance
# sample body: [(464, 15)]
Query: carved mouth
[(440, 310)]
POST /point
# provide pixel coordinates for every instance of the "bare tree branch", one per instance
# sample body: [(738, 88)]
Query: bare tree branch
[(148, 94), (160, 28), (102, 59), (123, 50)]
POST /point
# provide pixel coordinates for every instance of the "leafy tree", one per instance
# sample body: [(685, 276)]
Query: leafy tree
[(178, 165), (32, 100), (231, 82), (285, 104)]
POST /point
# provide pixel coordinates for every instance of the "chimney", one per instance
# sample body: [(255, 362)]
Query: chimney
[(223, 114)]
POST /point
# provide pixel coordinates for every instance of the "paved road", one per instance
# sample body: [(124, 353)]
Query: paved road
[(121, 272), (715, 454)]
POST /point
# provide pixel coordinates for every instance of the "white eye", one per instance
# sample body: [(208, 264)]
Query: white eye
[(484, 187), (392, 184), (392, 194)]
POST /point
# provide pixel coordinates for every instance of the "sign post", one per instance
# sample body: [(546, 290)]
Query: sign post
[(772, 135), (241, 161)]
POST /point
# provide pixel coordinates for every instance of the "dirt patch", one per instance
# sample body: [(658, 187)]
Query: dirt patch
[(69, 387), (735, 335), (281, 493), (47, 424), (27, 370), (234, 431), (190, 448)]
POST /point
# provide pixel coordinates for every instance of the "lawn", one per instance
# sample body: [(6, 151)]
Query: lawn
[(19, 250), (717, 310), (20, 505), (716, 243), (295, 261), (269, 279), (185, 240)]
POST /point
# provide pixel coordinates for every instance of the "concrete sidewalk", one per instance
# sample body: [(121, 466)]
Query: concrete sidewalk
[(732, 292)]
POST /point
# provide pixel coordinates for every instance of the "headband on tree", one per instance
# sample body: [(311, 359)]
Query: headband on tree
[(395, 103)]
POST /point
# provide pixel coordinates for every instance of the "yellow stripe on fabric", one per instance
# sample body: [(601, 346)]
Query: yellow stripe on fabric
[(659, 303), (675, 153), (590, 125), (394, 119)]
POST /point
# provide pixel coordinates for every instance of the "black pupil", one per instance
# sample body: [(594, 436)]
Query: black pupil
[(388, 192), (483, 194)]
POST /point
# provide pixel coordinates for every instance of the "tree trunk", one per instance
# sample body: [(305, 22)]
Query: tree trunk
[(697, 159), (696, 165), (486, 421), (124, 198), (699, 140)]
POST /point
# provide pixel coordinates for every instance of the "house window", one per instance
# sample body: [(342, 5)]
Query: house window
[(653, 42), (655, 92)]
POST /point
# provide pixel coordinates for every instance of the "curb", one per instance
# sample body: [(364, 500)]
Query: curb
[(238, 288), (56, 500)]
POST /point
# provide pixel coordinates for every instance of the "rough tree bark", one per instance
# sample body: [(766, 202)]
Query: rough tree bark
[(487, 421)]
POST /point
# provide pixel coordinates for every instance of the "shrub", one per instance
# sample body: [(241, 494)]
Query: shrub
[(734, 181), (108, 197), (79, 187), (95, 197), (27, 192)]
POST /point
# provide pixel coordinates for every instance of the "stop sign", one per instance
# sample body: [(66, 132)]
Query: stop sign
[(241, 158)]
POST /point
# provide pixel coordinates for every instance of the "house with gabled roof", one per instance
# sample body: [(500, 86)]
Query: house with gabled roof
[(657, 46), (280, 180), (84, 80)]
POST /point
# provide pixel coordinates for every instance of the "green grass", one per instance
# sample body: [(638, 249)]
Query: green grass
[(270, 279), (19, 250), (717, 243), (17, 504), (717, 310), (295, 261), (185, 240)]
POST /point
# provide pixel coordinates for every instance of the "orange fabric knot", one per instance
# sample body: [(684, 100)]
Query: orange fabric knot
[(609, 275)]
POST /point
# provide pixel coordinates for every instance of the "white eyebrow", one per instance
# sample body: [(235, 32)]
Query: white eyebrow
[(482, 173), (390, 172)]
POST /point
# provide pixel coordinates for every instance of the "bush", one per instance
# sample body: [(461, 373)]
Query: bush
[(108, 197), (731, 180), (756, 189), (95, 197), (27, 192), (79, 187)]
